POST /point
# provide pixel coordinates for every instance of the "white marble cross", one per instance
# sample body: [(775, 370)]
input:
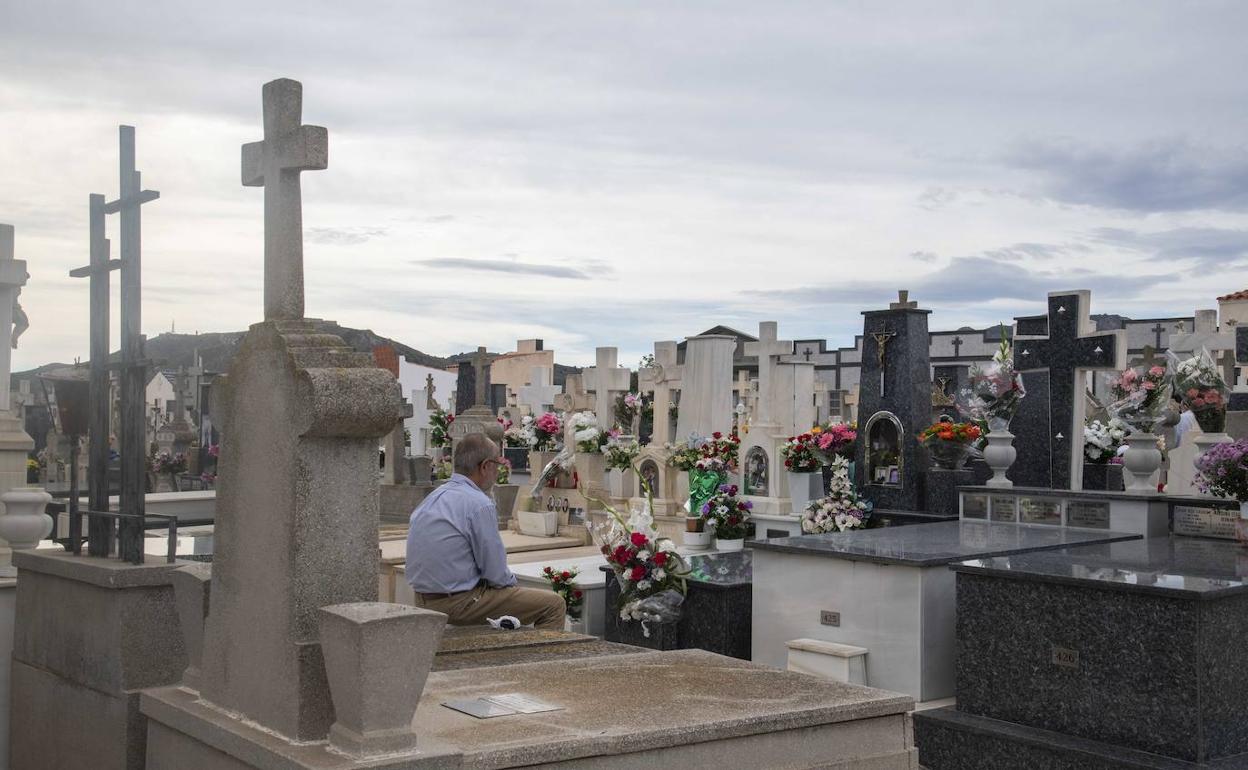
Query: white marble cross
[(605, 379), (274, 164), (539, 394), (768, 349), (661, 379), (12, 278), (1208, 337)]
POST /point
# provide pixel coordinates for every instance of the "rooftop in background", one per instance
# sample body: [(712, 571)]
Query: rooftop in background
[(1234, 297)]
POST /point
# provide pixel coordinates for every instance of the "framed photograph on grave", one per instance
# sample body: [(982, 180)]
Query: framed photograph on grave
[(894, 476)]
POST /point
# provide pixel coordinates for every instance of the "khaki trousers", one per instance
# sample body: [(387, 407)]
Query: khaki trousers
[(544, 609)]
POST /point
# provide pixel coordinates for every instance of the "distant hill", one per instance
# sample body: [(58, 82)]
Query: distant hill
[(216, 349)]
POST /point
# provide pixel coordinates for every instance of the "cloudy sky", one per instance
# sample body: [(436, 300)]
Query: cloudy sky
[(615, 173)]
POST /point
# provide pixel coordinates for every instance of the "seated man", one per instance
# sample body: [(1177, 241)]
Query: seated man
[(456, 562)]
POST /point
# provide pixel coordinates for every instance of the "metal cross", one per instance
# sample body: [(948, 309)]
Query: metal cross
[(1157, 330), (882, 338), (274, 164)]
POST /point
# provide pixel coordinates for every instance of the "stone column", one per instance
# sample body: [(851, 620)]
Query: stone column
[(706, 391)]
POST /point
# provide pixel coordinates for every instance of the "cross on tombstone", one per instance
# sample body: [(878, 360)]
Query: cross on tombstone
[(957, 346), (882, 338), (13, 277), (1054, 353), (745, 395), (768, 349), (903, 301), (275, 163), (807, 353), (1157, 331), (604, 380), (1150, 357), (480, 360), (430, 402), (661, 379), (573, 398), (1206, 336), (539, 394)]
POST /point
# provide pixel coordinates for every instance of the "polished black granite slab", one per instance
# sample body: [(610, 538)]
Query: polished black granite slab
[(949, 739), (716, 614), (1181, 567), (1136, 645), (935, 544)]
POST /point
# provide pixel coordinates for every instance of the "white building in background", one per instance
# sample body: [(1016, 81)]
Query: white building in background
[(414, 379), (161, 398)]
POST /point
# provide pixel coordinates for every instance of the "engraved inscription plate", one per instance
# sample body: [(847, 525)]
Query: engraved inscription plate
[(1040, 510), (829, 618), (1080, 513), (1205, 521), (974, 506), (1065, 657), (1004, 508)]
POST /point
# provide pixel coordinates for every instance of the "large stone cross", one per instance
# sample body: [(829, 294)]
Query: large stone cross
[(605, 379), (768, 349), (1209, 338), (1054, 353), (480, 360), (12, 278), (274, 164), (661, 379), (539, 394)]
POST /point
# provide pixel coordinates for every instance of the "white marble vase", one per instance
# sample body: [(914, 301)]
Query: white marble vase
[(1000, 454), (24, 523), (1140, 462), (804, 487)]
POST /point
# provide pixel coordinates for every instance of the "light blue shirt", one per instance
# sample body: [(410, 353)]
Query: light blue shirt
[(453, 541)]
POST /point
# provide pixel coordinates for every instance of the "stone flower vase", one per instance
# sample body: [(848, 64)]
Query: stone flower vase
[(804, 487), (735, 544), (697, 535), (377, 658), (505, 501), (1000, 454), (950, 455), (24, 522), (1140, 462)]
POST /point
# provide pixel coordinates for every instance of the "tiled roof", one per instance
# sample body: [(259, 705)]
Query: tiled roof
[(1234, 297)]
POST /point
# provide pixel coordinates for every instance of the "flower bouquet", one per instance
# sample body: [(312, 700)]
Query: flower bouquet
[(994, 391), (834, 440), (168, 462), (628, 407), (547, 429), (1202, 390), (521, 435), (950, 443), (563, 583), (1223, 471), (1102, 440), (439, 428), (708, 462), (1139, 396), (801, 454), (728, 516), (621, 454), (649, 571), (504, 472), (589, 437), (840, 509)]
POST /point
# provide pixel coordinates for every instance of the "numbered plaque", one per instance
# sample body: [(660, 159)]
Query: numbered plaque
[(1004, 508), (1088, 515), (1040, 510), (974, 506)]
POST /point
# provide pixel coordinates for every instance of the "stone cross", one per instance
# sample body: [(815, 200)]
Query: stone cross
[(539, 394), (275, 163), (903, 301), (1209, 338), (480, 360), (430, 402), (957, 346), (661, 379), (605, 379), (1157, 331), (573, 398), (768, 349), (12, 278), (1055, 353)]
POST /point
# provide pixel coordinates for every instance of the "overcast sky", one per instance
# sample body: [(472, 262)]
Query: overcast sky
[(617, 173)]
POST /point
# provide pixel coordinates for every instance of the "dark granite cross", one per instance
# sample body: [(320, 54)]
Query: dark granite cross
[(1157, 330), (480, 360), (957, 346), (1054, 352), (275, 164), (807, 353)]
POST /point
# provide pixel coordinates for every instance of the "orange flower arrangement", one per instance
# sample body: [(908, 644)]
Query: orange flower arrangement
[(960, 432)]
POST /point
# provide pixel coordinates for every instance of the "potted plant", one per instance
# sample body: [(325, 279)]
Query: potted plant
[(708, 461), (801, 463), (1223, 472), (950, 443), (840, 509), (563, 582), (728, 517)]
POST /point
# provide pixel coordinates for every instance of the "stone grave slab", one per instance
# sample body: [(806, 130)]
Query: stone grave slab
[(888, 590), (1115, 655)]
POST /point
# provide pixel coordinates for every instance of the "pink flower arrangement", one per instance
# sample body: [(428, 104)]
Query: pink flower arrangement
[(1140, 396), (835, 440), (546, 430)]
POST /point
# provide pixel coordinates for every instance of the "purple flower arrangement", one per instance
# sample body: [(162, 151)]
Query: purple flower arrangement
[(1223, 471)]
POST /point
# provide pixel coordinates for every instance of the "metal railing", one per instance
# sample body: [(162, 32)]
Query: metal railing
[(76, 539)]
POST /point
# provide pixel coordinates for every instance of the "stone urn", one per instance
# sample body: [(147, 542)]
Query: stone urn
[(1000, 454), (1140, 462), (24, 522), (804, 487), (377, 658)]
